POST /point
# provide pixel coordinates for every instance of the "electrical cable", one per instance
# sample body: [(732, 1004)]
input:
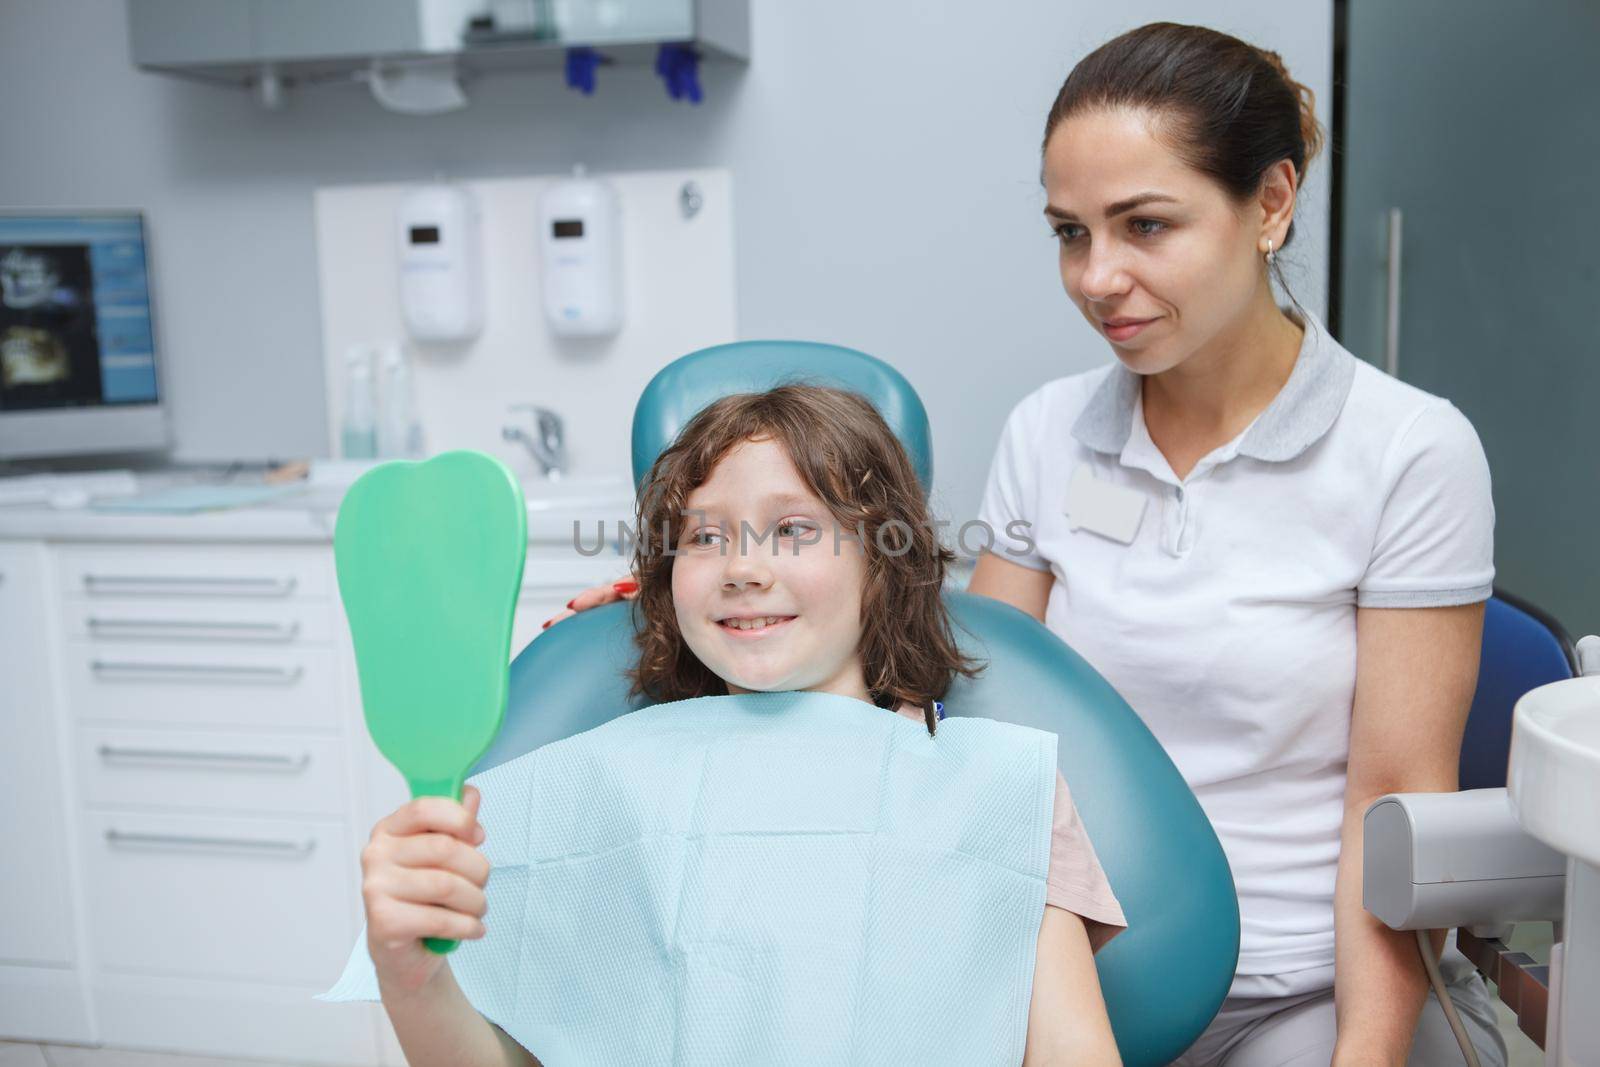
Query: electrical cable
[(1431, 964)]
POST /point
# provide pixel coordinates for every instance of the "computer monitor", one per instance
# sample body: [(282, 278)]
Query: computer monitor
[(77, 345)]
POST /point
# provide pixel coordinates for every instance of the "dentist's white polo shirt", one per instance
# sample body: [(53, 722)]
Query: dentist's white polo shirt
[(1227, 621)]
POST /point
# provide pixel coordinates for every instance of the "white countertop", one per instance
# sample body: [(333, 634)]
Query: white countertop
[(307, 515)]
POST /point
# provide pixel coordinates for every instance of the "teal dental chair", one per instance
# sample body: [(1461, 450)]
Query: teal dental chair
[(1166, 976)]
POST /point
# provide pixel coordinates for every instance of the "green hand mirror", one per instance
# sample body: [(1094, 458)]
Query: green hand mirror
[(429, 558)]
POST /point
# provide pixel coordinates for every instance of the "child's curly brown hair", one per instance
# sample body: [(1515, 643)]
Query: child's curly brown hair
[(850, 459)]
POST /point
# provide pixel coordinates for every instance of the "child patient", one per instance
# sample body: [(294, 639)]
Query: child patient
[(783, 544)]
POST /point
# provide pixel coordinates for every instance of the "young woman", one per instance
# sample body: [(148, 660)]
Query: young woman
[(787, 571), (1298, 615)]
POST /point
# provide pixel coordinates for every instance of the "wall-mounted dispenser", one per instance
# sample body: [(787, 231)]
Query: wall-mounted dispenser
[(441, 263), (580, 246)]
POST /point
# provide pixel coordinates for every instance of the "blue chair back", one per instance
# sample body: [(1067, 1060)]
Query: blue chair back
[(1163, 979), (1523, 648)]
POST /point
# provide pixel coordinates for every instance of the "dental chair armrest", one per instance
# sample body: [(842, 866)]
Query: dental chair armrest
[(1436, 860)]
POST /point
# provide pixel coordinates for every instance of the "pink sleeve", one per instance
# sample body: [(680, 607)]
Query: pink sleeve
[(1075, 881)]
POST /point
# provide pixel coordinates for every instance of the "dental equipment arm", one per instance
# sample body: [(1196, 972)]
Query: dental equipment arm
[(1466, 860), (1441, 860)]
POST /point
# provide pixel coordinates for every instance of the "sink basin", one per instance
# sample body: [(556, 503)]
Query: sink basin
[(1554, 777), (578, 493), (1554, 786), (331, 479)]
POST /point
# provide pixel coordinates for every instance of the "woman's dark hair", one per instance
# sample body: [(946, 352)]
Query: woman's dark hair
[(1232, 109), (851, 461)]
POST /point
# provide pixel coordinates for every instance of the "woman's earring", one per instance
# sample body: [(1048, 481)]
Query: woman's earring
[(1270, 253)]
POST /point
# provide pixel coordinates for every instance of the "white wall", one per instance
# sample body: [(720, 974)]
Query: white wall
[(884, 153)]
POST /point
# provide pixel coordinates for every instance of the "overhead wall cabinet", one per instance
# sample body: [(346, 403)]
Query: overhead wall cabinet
[(272, 45)]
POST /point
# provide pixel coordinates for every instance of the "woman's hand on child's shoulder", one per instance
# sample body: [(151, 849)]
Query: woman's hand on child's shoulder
[(593, 597), (423, 876)]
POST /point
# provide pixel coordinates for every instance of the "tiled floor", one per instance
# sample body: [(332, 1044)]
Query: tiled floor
[(14, 1055), (1524, 1053)]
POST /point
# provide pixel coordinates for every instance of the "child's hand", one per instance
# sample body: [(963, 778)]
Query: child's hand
[(422, 876)]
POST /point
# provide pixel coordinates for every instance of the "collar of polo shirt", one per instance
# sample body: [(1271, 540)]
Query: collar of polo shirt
[(1298, 416)]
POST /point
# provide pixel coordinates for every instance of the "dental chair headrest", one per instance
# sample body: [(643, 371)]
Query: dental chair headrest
[(684, 386)]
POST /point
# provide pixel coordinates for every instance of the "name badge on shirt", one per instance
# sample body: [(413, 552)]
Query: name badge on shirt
[(1100, 507)]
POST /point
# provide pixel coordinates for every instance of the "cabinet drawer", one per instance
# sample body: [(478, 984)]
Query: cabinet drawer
[(190, 684), (266, 900), (213, 772), (166, 572), (117, 619)]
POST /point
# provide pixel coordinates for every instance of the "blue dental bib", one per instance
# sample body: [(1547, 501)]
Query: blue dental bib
[(769, 878)]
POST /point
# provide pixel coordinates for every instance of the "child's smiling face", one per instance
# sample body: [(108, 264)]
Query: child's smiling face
[(785, 564)]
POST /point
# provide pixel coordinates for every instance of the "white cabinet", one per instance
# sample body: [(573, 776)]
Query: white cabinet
[(186, 783), (42, 991), (211, 743)]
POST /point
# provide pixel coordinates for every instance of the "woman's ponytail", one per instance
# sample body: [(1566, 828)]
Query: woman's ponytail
[(1310, 129)]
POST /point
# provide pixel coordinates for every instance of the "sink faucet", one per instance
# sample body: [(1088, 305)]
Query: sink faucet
[(548, 447)]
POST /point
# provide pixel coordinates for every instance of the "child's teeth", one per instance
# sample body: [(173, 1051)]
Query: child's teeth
[(753, 624)]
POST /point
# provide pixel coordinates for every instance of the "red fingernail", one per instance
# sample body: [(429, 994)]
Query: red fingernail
[(547, 623), (625, 586), (569, 604)]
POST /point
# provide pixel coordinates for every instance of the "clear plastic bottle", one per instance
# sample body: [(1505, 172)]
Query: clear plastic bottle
[(399, 434), (359, 432)]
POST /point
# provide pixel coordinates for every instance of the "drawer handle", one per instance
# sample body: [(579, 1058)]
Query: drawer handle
[(176, 584), (220, 672), (266, 759), (198, 629), (297, 848)]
